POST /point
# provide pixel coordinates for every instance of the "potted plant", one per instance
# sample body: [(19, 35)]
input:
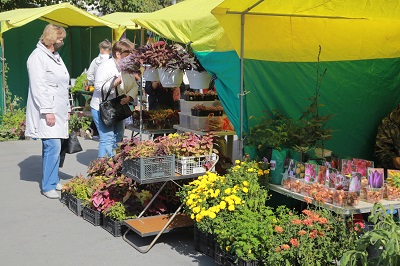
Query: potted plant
[(210, 95), (130, 70), (195, 72), (379, 246), (203, 110), (78, 123)]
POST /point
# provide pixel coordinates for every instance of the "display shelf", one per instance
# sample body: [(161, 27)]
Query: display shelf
[(362, 207)]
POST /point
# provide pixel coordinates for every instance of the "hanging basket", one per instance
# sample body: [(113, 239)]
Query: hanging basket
[(130, 84), (151, 74), (198, 80), (170, 78)]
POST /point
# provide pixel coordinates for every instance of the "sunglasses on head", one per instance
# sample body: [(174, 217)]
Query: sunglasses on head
[(126, 51)]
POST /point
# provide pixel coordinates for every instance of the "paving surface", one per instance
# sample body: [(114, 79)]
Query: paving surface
[(35, 230)]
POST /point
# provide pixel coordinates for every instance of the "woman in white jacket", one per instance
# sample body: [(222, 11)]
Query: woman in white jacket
[(47, 111), (105, 50)]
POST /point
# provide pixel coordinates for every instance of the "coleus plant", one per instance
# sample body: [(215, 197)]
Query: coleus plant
[(130, 64), (155, 54), (117, 189)]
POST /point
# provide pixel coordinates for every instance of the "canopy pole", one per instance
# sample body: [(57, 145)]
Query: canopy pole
[(3, 76), (242, 94)]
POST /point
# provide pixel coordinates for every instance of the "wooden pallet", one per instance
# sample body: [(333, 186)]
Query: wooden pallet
[(152, 225)]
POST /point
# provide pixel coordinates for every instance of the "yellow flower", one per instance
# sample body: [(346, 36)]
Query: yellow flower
[(198, 217), (217, 191), (231, 207), (212, 215), (222, 205), (250, 170), (245, 183), (196, 209), (192, 216), (227, 248), (245, 189), (228, 191), (237, 162)]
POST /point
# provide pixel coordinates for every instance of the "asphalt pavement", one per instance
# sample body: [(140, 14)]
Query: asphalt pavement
[(35, 230)]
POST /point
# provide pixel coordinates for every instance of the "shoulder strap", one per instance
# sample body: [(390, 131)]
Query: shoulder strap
[(109, 89)]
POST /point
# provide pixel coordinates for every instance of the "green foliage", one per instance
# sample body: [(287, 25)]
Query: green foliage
[(384, 238), (80, 83), (78, 121), (13, 121), (104, 6), (117, 212)]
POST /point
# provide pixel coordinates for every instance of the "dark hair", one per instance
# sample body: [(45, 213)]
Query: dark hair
[(123, 46)]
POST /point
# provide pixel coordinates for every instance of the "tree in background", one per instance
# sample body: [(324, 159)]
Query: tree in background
[(103, 6)]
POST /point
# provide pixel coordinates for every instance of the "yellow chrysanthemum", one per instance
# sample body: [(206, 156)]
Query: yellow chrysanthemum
[(245, 183), (196, 210), (237, 162), (231, 207), (212, 215), (222, 205), (245, 189)]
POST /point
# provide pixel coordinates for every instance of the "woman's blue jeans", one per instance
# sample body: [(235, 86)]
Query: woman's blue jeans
[(50, 163), (109, 136)]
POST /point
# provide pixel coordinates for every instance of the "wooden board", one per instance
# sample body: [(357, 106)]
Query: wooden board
[(152, 225)]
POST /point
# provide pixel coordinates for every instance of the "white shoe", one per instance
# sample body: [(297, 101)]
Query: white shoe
[(51, 194), (59, 187)]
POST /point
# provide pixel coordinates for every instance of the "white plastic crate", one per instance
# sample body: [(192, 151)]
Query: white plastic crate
[(199, 122), (184, 120), (186, 106), (193, 165)]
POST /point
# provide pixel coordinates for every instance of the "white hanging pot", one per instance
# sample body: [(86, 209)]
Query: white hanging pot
[(198, 80), (130, 85), (170, 78), (151, 74)]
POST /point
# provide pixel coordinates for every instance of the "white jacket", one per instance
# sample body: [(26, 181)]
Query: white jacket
[(104, 75), (94, 65), (48, 93)]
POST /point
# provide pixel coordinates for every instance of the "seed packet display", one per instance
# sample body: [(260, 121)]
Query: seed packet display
[(310, 173), (361, 165), (342, 182), (291, 168), (391, 173), (355, 182), (375, 177), (331, 174), (300, 170), (321, 169), (347, 167)]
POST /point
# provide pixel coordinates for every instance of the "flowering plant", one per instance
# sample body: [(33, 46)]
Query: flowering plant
[(314, 237), (384, 237)]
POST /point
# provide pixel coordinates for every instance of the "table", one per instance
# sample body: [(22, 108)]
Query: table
[(159, 224), (228, 133), (363, 206), (148, 131)]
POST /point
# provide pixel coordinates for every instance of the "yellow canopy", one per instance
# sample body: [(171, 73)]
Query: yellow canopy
[(292, 30), (63, 14), (188, 21), (124, 19)]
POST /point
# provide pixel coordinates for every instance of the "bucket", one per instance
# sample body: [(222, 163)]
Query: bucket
[(198, 80), (170, 78), (151, 74)]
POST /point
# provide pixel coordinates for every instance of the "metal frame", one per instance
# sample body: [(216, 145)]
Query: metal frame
[(163, 230)]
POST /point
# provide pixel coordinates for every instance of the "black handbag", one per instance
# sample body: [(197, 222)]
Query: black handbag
[(70, 145), (112, 111)]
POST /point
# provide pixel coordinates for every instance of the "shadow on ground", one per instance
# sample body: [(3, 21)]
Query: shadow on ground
[(177, 240)]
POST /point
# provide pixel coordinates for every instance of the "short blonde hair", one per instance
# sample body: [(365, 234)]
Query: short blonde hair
[(122, 46), (51, 33), (106, 45)]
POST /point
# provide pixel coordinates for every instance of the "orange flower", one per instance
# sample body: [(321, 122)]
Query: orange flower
[(315, 217), (285, 247), (296, 221), (278, 249), (294, 242), (322, 220), (307, 221), (308, 200), (321, 233), (313, 234), (302, 232), (307, 212), (278, 229)]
